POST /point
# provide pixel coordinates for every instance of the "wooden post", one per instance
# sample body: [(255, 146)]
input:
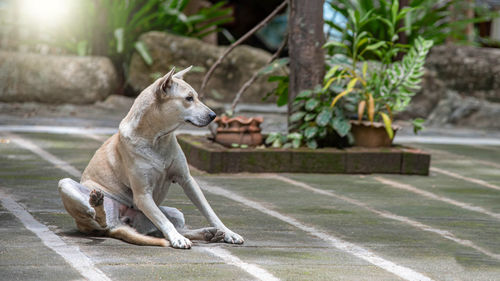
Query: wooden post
[(305, 41), (469, 29)]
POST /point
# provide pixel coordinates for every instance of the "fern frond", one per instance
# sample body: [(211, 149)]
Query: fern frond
[(403, 78)]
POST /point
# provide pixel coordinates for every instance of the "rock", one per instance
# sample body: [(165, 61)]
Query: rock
[(461, 87), (55, 79), (465, 112), (116, 102), (470, 71), (169, 50)]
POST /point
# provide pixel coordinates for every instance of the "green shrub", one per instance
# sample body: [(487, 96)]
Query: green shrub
[(430, 19)]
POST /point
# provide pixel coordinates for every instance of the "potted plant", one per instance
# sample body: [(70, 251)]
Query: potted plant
[(239, 131), (378, 89), (363, 87), (242, 131)]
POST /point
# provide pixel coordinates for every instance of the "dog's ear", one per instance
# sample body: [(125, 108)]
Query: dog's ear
[(165, 82), (181, 73)]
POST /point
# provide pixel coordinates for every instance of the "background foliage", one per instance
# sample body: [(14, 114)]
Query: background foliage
[(436, 20)]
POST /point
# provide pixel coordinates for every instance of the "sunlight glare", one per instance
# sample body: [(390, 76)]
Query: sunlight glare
[(45, 12)]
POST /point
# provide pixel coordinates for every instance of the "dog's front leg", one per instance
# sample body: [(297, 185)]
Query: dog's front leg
[(193, 191), (146, 204)]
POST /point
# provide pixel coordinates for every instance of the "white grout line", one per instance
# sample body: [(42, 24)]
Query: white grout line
[(65, 130), (460, 156), (87, 131), (446, 140), (71, 254), (228, 258), (469, 179), (225, 255), (350, 248), (443, 233), (100, 138), (58, 163), (431, 195)]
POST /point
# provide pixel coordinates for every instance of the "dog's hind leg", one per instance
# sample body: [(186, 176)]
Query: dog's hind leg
[(96, 200), (77, 205), (130, 235)]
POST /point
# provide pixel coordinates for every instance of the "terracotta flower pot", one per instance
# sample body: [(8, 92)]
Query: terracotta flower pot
[(368, 134), (238, 130)]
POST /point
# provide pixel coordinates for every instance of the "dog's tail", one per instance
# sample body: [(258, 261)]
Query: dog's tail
[(130, 235)]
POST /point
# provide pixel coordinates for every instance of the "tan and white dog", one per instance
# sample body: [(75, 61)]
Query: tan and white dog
[(130, 174)]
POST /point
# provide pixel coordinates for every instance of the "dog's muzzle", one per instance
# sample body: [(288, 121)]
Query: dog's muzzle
[(203, 122)]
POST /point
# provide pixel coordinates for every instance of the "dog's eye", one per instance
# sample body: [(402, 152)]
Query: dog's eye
[(190, 98)]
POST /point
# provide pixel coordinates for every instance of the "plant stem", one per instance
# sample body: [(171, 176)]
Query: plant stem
[(256, 74), (239, 41)]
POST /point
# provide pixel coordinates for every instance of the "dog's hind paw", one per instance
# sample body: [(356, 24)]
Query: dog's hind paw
[(213, 234), (96, 198)]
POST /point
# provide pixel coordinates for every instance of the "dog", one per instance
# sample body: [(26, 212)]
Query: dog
[(130, 174)]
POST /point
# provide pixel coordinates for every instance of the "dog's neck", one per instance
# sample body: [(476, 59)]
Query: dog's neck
[(143, 123)]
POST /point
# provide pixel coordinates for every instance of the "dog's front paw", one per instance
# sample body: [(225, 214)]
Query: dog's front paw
[(180, 242), (232, 238)]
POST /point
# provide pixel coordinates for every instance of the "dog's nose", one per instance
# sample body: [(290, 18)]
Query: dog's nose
[(212, 115)]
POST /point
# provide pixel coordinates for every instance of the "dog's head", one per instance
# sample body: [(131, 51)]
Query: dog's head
[(177, 98)]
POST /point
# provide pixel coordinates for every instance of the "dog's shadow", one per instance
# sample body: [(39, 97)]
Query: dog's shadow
[(94, 240)]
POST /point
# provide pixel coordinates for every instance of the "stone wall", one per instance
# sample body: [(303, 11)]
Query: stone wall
[(55, 79)]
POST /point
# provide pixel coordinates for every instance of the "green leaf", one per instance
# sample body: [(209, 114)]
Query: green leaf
[(340, 125), (296, 143), (293, 136), (282, 98), (82, 48), (277, 64), (297, 116), (375, 46), (119, 34), (331, 72), (305, 94), (276, 78), (388, 125), (335, 44), (324, 117), (309, 117), (271, 138), (277, 142), (311, 104), (143, 51), (418, 125), (340, 96), (310, 132), (312, 144)]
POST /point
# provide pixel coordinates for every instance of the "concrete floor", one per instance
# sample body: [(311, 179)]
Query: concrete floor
[(297, 226)]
